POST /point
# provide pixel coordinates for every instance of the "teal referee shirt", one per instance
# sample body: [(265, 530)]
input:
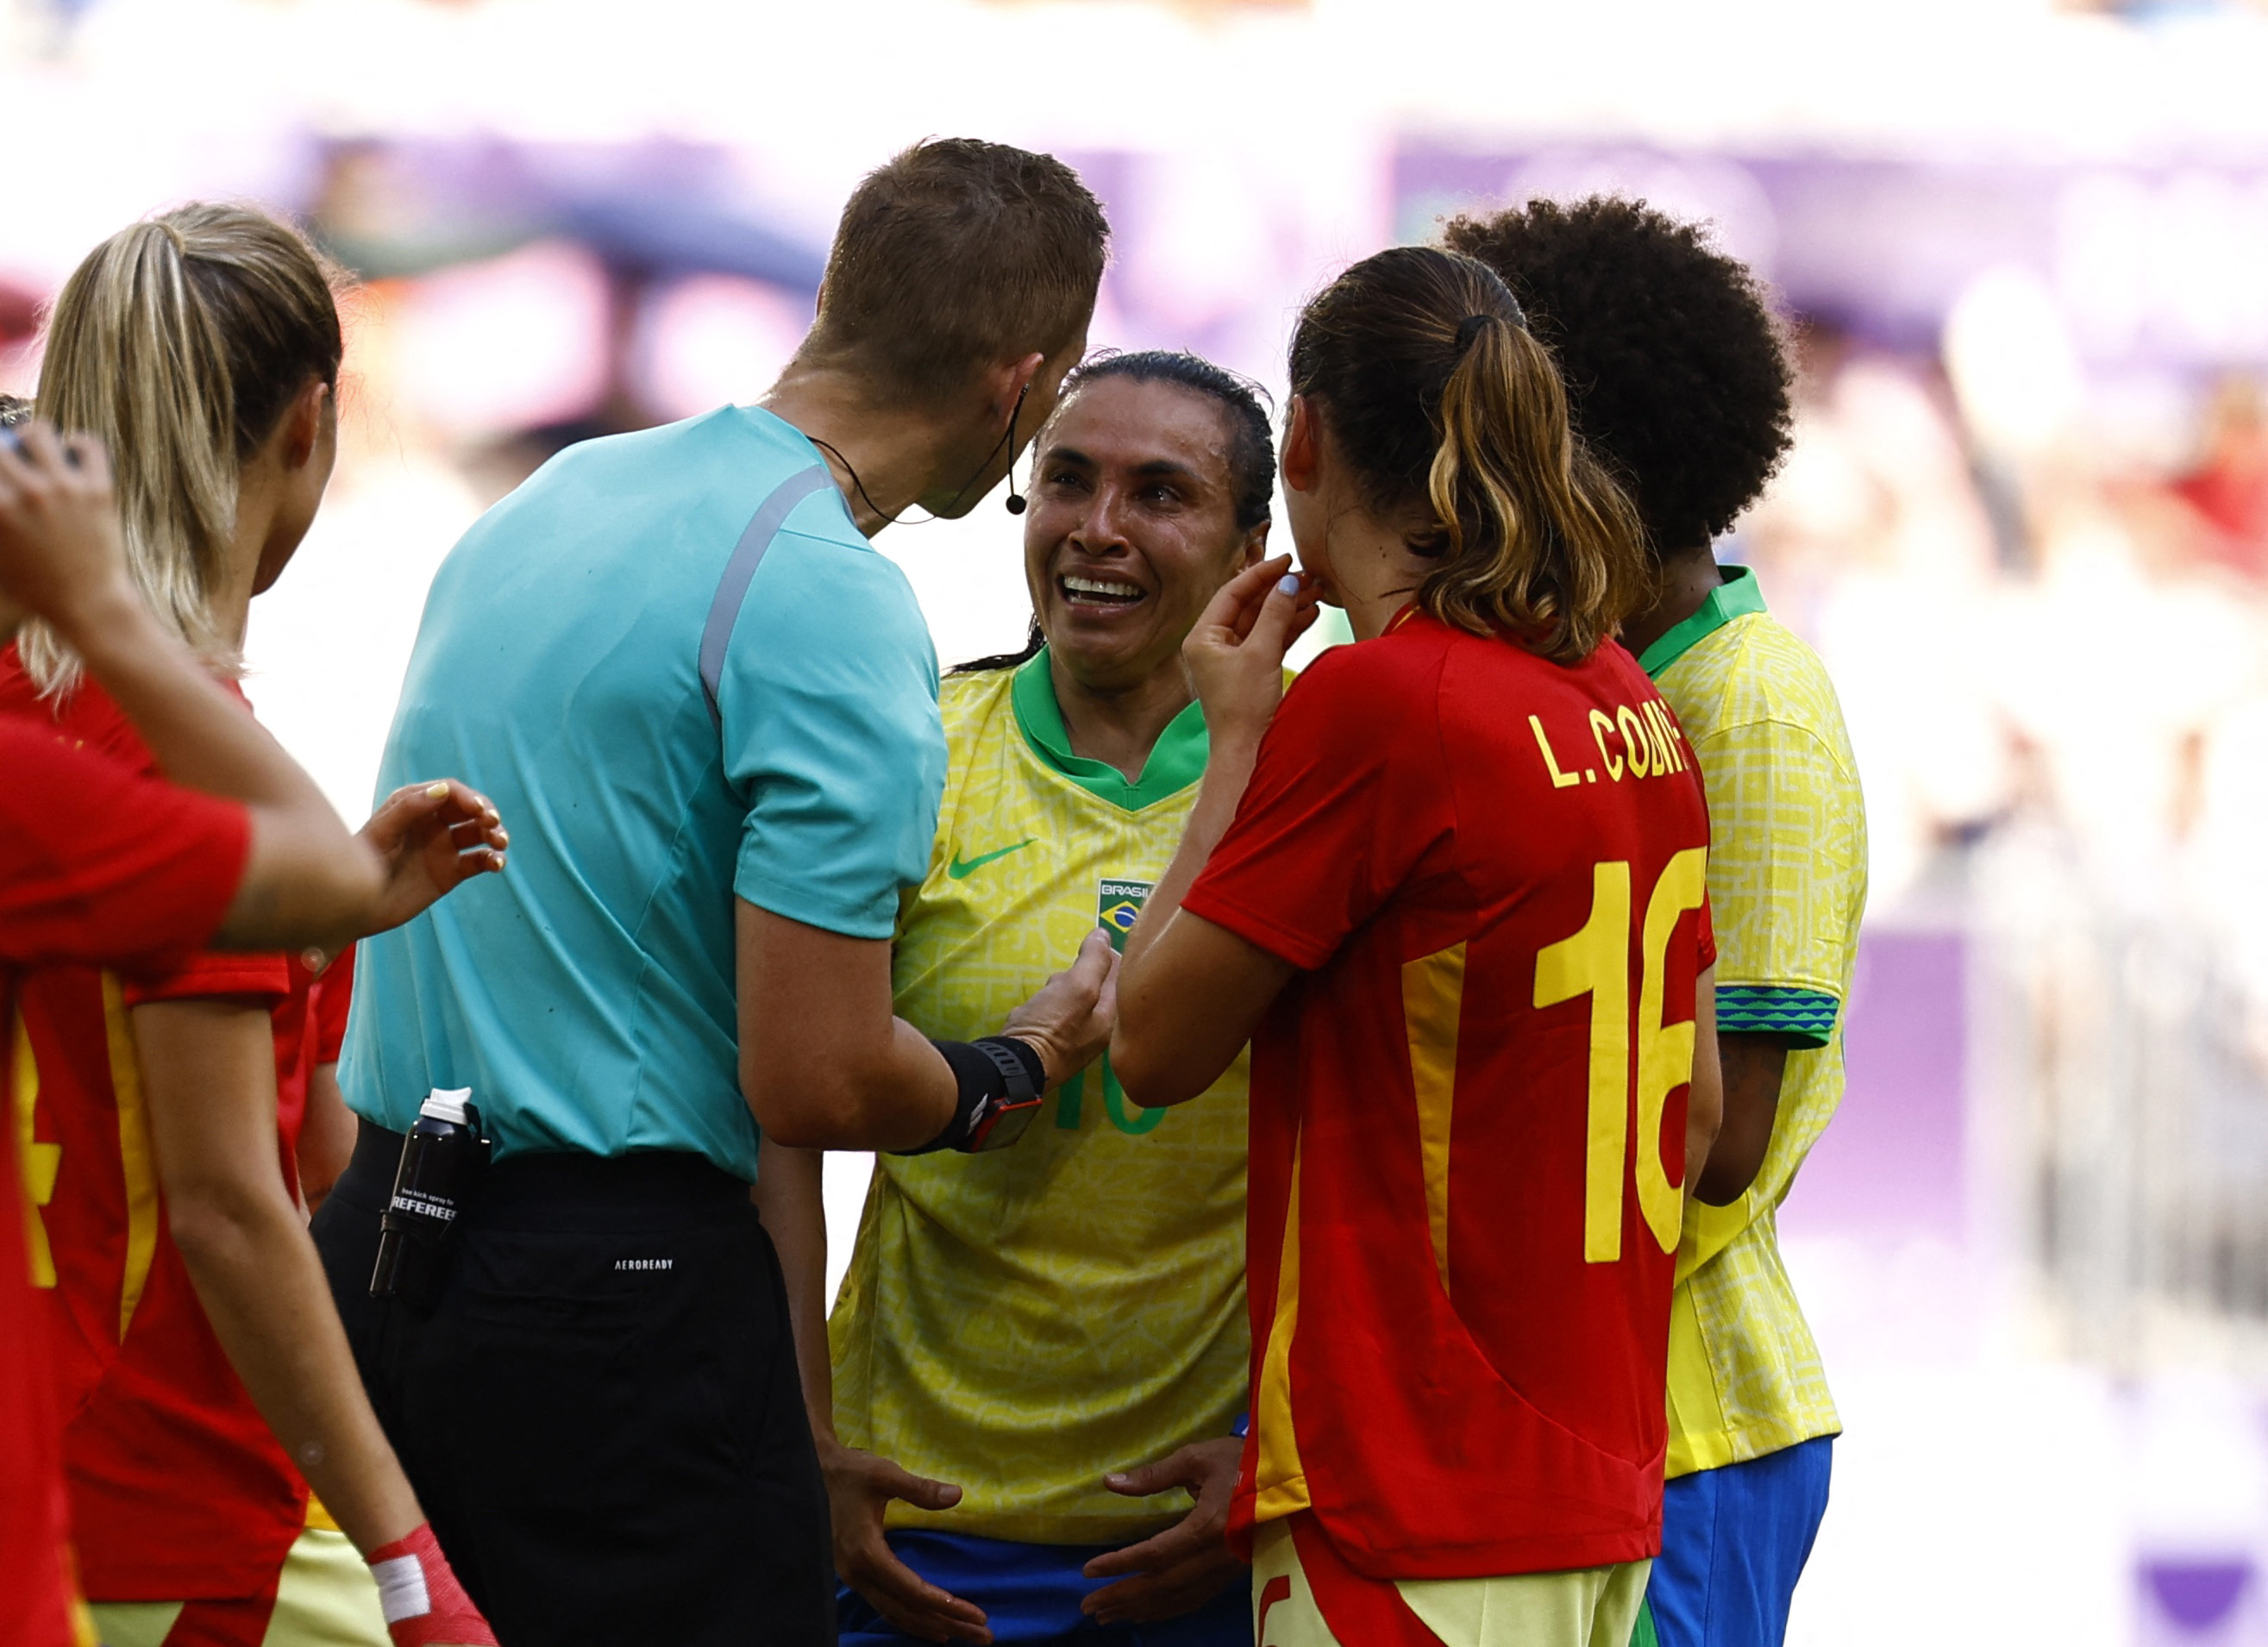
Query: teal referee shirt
[(585, 995)]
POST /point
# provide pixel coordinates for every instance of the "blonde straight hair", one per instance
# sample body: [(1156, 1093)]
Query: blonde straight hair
[(180, 342)]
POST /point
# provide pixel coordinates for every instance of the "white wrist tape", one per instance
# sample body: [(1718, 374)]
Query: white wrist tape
[(401, 1593)]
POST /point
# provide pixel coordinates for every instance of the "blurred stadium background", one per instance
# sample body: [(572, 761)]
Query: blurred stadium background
[(2024, 250)]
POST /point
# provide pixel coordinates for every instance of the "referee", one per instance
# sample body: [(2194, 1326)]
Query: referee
[(710, 708)]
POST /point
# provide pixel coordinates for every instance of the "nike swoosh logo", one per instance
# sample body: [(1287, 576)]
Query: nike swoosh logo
[(962, 869)]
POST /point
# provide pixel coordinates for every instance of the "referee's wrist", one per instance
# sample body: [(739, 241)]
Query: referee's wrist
[(995, 1076), (1026, 1048)]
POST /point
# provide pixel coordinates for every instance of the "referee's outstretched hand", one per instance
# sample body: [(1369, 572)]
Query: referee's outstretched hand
[(860, 1488), (1187, 1565), (1235, 656)]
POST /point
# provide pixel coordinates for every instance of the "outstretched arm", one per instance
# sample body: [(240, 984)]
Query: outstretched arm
[(61, 558), (306, 882), (825, 1065), (824, 1062), (1187, 1007), (1193, 992)]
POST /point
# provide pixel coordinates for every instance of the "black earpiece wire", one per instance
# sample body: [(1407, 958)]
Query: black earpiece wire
[(1016, 505)]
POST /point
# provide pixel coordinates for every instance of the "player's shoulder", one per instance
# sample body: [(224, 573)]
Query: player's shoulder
[(1482, 674), (127, 869), (1755, 670), (51, 764), (971, 702), (663, 455), (647, 494), (827, 609), (1615, 671), (85, 716), (51, 786), (1772, 658), (605, 474), (19, 693), (1385, 677)]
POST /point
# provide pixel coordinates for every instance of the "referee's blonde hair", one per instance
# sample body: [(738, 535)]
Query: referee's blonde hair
[(181, 343), (1423, 370)]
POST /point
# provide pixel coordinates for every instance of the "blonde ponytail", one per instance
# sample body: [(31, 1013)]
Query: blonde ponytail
[(1540, 543), (1422, 367), (180, 342)]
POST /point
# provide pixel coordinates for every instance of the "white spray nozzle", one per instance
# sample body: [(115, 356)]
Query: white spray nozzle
[(447, 1104)]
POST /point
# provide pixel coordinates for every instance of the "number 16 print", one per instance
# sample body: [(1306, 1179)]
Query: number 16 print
[(1595, 961)]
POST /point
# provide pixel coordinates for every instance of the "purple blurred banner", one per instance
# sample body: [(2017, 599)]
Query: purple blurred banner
[(2153, 265), (658, 208), (1893, 1162)]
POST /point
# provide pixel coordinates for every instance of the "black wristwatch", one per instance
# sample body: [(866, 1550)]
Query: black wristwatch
[(998, 1123)]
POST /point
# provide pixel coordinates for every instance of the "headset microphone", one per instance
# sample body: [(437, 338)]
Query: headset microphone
[(1016, 505)]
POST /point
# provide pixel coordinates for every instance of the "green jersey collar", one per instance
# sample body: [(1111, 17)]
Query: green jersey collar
[(1736, 597), (1176, 760)]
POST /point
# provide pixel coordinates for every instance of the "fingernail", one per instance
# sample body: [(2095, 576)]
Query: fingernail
[(1288, 584), (436, 791)]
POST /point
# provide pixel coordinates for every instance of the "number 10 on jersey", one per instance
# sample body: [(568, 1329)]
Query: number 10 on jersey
[(1596, 961)]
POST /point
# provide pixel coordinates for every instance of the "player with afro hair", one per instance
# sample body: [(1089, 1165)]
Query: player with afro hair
[(1675, 371), (1677, 379)]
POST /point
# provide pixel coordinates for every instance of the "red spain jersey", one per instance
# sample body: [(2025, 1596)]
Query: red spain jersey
[(1469, 1112), (310, 1028), (178, 1489), (96, 864)]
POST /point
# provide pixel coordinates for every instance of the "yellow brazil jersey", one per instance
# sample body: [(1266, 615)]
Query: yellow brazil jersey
[(1787, 882), (1024, 1320)]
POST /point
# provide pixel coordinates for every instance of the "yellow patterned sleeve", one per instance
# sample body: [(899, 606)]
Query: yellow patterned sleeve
[(1787, 866)]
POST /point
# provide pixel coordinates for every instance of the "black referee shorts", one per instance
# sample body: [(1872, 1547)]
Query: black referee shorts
[(602, 1415)]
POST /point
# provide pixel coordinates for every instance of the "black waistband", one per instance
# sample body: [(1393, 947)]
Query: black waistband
[(569, 1189)]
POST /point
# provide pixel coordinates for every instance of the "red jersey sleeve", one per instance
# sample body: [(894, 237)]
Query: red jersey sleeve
[(1348, 799), (334, 993), (101, 866), (212, 972)]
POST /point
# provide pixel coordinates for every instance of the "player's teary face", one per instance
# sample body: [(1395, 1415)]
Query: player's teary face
[(1132, 526)]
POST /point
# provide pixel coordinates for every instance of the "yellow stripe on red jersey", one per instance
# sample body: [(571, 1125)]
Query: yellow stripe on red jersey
[(1467, 1109), (177, 1487)]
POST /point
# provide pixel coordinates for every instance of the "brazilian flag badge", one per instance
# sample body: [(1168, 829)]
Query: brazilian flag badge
[(1119, 905)]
